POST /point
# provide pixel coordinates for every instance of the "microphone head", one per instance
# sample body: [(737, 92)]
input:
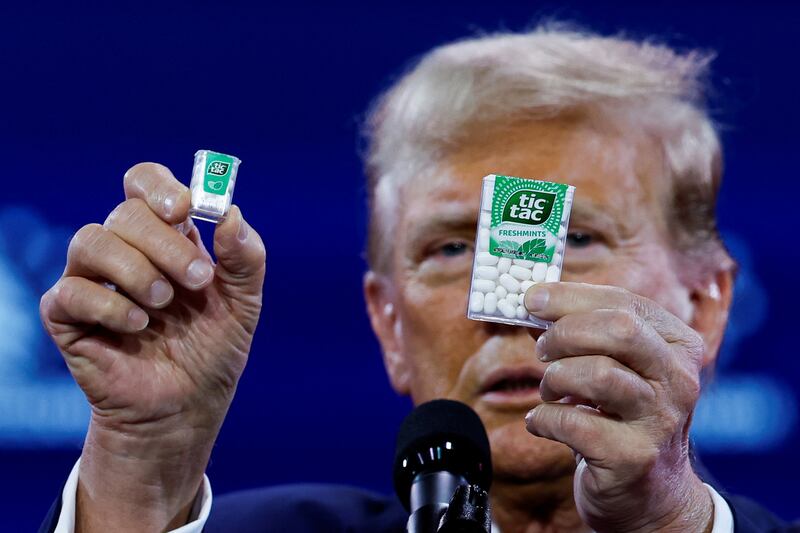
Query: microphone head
[(441, 435)]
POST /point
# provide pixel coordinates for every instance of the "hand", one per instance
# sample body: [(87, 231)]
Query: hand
[(159, 353), (623, 380)]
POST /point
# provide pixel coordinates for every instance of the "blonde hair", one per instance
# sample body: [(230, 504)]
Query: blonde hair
[(540, 74)]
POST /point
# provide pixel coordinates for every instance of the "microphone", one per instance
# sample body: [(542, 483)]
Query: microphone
[(443, 469)]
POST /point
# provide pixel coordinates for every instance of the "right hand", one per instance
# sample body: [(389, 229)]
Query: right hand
[(159, 357)]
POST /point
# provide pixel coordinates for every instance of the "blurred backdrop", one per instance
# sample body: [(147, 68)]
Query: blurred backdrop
[(85, 92)]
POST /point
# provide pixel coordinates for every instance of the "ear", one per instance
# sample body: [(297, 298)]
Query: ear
[(712, 302), (379, 294)]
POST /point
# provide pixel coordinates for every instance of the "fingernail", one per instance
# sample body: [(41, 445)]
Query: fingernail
[(529, 416), (137, 319), (169, 204), (160, 292), (536, 299), (199, 272), (243, 230), (539, 349)]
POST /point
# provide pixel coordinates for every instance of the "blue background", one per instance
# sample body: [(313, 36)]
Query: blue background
[(88, 91)]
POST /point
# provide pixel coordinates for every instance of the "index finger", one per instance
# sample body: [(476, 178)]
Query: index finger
[(552, 301), (159, 189)]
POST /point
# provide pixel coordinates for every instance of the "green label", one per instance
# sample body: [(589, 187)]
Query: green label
[(217, 173), (526, 215)]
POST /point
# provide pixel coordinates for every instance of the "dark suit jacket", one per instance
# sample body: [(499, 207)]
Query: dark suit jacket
[(341, 509)]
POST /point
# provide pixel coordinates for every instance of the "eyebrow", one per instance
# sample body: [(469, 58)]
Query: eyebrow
[(444, 220), (590, 213)]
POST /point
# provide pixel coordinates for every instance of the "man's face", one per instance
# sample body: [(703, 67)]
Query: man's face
[(618, 235)]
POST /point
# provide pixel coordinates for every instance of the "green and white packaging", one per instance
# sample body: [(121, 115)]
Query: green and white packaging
[(213, 179), (522, 232)]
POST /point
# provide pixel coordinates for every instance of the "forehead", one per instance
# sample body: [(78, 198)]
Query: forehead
[(618, 170)]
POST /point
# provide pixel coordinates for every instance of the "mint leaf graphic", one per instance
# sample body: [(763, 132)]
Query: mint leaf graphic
[(533, 246)]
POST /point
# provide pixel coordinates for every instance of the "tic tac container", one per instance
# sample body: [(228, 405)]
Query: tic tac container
[(213, 179), (522, 232)]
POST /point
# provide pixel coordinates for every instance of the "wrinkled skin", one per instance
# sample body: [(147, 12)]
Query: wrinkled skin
[(159, 356), (632, 352)]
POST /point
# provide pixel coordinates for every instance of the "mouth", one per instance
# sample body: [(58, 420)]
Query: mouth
[(512, 387)]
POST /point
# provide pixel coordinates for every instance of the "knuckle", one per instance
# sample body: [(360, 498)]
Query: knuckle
[(138, 171), (86, 240), (106, 309), (695, 346), (689, 386), (46, 305), (65, 294), (625, 326), (568, 421), (573, 422), (556, 334), (620, 291), (129, 211), (552, 376), (608, 377), (261, 252)]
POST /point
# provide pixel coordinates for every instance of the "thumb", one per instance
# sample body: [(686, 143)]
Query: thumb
[(241, 259)]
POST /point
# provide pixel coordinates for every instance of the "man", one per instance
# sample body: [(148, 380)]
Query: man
[(608, 390)]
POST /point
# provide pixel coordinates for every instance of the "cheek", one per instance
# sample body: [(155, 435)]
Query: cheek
[(647, 271), (437, 338), (671, 293)]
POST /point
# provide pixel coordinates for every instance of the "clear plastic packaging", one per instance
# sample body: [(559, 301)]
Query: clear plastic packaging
[(522, 233), (213, 179)]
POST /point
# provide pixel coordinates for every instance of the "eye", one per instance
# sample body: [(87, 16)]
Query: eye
[(453, 249), (579, 239)]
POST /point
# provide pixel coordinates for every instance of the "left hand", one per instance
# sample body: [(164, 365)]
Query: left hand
[(620, 389)]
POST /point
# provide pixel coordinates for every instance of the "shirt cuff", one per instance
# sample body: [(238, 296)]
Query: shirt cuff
[(200, 509), (723, 517)]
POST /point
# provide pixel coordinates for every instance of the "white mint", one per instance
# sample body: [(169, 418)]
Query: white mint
[(476, 302), (485, 219), (483, 238), (519, 272), (524, 263), (504, 264), (561, 232), (508, 310), (484, 285), (552, 273), (487, 272), (512, 298), (490, 303), (487, 259), (556, 259), (525, 285), (539, 272), (508, 281), (522, 313), (500, 291)]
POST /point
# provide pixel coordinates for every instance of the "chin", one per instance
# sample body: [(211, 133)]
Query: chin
[(519, 456)]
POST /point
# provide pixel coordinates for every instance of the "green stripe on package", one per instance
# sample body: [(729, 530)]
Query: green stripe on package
[(526, 216), (213, 180), (520, 241)]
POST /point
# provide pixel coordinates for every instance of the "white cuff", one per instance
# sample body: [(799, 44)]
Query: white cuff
[(200, 510), (723, 517)]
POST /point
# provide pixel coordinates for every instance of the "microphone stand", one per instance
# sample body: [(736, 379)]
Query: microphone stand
[(469, 510)]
